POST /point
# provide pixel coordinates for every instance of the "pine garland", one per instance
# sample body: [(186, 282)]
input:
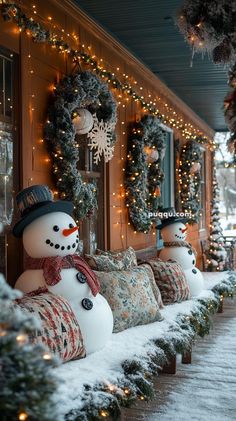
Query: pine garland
[(105, 401), (26, 378), (39, 33), (230, 115), (78, 90), (143, 179), (209, 25), (190, 182)]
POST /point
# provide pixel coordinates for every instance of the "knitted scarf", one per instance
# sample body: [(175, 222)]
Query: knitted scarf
[(52, 269), (180, 244)]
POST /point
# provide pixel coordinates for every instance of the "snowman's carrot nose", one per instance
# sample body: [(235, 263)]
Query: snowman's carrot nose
[(184, 230), (69, 231)]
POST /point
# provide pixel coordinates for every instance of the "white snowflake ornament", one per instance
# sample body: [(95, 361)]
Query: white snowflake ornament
[(101, 140)]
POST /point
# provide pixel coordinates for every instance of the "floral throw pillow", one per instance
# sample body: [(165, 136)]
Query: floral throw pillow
[(130, 296), (107, 261), (171, 280), (59, 330)]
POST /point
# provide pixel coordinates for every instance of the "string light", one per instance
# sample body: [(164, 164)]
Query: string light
[(187, 129), (104, 413), (22, 416)]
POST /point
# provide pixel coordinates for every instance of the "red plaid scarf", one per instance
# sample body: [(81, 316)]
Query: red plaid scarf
[(52, 269)]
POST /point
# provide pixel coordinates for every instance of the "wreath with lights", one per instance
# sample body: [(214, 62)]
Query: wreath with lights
[(190, 180), (77, 91), (143, 177)]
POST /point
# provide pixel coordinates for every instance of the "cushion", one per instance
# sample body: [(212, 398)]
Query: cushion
[(107, 261), (155, 289), (130, 296), (171, 280), (59, 330)]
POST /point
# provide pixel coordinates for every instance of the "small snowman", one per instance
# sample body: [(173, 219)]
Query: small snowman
[(173, 233), (50, 238)]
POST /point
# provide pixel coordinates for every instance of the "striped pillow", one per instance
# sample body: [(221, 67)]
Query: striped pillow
[(171, 280)]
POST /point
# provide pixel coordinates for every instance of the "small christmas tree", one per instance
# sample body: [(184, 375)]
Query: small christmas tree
[(26, 380), (216, 254)]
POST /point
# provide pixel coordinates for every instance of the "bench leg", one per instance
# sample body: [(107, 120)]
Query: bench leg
[(171, 367), (221, 306), (187, 357)]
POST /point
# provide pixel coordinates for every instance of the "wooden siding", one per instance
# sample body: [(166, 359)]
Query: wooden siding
[(41, 67)]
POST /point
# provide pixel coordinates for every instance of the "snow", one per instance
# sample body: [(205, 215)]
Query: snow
[(208, 385), (105, 366)]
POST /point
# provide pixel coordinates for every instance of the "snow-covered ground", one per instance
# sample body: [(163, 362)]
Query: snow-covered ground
[(106, 365), (205, 390)]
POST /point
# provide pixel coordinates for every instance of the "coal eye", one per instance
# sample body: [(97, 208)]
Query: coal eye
[(180, 229), (56, 228), (71, 226)]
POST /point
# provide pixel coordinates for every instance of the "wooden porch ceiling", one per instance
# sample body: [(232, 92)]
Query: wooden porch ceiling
[(147, 29)]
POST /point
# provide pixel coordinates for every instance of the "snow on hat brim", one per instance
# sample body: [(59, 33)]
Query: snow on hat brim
[(165, 222), (59, 206)]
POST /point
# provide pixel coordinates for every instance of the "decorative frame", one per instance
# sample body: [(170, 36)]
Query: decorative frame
[(142, 179), (78, 90)]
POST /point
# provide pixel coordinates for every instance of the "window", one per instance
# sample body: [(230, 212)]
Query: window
[(92, 228), (8, 165), (202, 219), (167, 188)]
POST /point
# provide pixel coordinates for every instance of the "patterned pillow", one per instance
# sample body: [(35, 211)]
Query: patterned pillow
[(130, 296), (59, 330), (128, 257), (107, 261), (153, 283), (171, 281)]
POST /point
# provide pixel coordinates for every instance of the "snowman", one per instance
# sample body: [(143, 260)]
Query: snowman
[(174, 233), (50, 238)]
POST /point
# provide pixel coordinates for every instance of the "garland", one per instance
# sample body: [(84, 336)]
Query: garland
[(105, 401), (143, 179), (75, 91), (230, 116), (12, 12), (209, 26), (190, 180)]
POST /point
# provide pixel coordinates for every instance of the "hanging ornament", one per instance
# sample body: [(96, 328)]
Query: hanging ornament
[(196, 166), (152, 154), (101, 139), (83, 121)]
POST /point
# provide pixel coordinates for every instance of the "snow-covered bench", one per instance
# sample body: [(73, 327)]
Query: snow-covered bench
[(98, 385)]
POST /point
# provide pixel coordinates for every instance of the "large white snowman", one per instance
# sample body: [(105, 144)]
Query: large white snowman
[(174, 233), (50, 238)]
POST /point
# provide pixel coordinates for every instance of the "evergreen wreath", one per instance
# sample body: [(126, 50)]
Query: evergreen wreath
[(78, 90), (190, 180), (142, 179)]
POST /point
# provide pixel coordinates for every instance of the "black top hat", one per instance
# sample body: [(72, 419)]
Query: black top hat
[(170, 217), (34, 202)]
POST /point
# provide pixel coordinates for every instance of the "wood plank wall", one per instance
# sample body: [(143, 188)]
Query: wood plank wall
[(41, 67)]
